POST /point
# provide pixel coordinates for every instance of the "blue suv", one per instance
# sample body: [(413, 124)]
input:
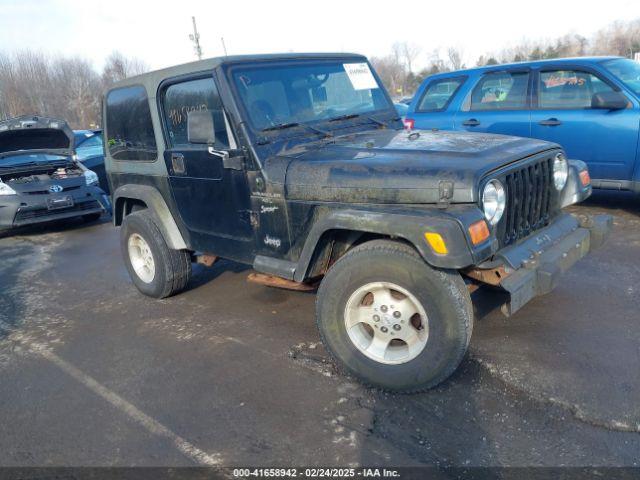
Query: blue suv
[(590, 106)]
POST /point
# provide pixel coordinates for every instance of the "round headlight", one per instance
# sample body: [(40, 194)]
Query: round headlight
[(560, 171), (493, 201)]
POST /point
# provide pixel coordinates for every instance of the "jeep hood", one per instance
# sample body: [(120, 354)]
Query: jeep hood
[(390, 166), (34, 133)]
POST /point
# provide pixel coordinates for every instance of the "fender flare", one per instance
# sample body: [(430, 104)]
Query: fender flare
[(154, 201), (409, 226)]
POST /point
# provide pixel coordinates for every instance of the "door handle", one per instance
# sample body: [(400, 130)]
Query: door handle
[(472, 122), (228, 161), (177, 163), (550, 122)]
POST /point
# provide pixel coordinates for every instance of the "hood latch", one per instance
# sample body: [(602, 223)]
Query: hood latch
[(445, 193)]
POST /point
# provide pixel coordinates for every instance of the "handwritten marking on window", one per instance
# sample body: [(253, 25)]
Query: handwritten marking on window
[(178, 116)]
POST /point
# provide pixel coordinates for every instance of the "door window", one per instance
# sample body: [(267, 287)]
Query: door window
[(193, 95), (130, 134), (439, 93), (501, 91), (569, 89)]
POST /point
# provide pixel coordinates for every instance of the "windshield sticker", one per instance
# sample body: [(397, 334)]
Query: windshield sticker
[(360, 76)]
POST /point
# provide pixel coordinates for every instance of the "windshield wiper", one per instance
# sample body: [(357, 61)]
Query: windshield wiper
[(284, 126), (347, 116), (375, 120)]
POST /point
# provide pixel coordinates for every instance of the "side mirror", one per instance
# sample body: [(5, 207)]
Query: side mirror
[(200, 127), (609, 101)]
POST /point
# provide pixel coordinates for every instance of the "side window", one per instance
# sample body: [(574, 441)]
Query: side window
[(129, 132), (501, 91), (439, 93), (181, 98), (91, 147), (569, 89)]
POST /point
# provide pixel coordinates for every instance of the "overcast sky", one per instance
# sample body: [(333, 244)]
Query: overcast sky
[(157, 31)]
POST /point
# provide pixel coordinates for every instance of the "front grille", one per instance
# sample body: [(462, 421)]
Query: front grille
[(530, 199), (24, 215)]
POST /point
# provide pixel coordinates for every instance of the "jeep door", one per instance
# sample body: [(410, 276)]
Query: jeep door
[(605, 139), (212, 199), (498, 103)]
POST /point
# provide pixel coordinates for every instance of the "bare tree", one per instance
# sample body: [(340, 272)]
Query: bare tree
[(118, 67), (62, 87), (409, 52), (455, 58), (391, 71)]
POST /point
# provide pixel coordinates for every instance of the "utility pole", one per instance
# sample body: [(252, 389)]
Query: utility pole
[(224, 47), (195, 38)]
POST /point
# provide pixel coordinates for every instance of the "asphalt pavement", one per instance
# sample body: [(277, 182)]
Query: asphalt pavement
[(230, 373)]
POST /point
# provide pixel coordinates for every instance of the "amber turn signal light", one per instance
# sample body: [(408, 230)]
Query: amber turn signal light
[(585, 179), (479, 232), (436, 242)]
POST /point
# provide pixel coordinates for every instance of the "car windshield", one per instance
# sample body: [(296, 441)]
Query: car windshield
[(628, 71), (28, 158), (303, 93)]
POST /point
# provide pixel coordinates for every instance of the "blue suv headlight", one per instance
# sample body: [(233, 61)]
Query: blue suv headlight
[(91, 177)]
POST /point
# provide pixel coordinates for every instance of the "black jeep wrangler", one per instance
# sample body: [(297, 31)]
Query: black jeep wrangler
[(299, 166)]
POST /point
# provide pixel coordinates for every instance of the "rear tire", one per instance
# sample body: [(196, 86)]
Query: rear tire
[(414, 353), (155, 269)]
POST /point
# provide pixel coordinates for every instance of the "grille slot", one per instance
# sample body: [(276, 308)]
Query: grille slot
[(23, 215), (528, 195)]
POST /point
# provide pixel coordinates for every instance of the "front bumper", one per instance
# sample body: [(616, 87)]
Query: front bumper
[(534, 266), (24, 209)]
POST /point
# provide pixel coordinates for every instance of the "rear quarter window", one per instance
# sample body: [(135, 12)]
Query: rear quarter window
[(439, 94), (129, 130)]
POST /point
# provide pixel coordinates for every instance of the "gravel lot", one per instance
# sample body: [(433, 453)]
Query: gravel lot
[(230, 373)]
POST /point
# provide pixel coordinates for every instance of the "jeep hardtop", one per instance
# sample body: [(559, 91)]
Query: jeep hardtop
[(298, 165)]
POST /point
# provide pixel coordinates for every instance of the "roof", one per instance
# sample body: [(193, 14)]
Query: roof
[(502, 66), (157, 76)]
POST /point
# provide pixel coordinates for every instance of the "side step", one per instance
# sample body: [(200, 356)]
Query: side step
[(279, 282)]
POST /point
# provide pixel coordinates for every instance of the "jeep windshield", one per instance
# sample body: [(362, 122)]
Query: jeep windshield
[(285, 96)]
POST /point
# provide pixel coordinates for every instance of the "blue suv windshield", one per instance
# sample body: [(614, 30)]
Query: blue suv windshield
[(628, 71), (308, 92)]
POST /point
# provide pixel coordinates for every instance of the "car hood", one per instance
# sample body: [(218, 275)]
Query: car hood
[(34, 133), (390, 166)]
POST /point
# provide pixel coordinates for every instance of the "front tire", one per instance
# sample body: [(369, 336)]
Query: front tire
[(155, 269), (392, 321)]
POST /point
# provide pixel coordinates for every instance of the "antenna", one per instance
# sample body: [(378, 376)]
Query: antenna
[(195, 38), (224, 47)]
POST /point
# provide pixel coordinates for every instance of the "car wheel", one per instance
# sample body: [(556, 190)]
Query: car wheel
[(92, 217), (156, 270), (391, 320)]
